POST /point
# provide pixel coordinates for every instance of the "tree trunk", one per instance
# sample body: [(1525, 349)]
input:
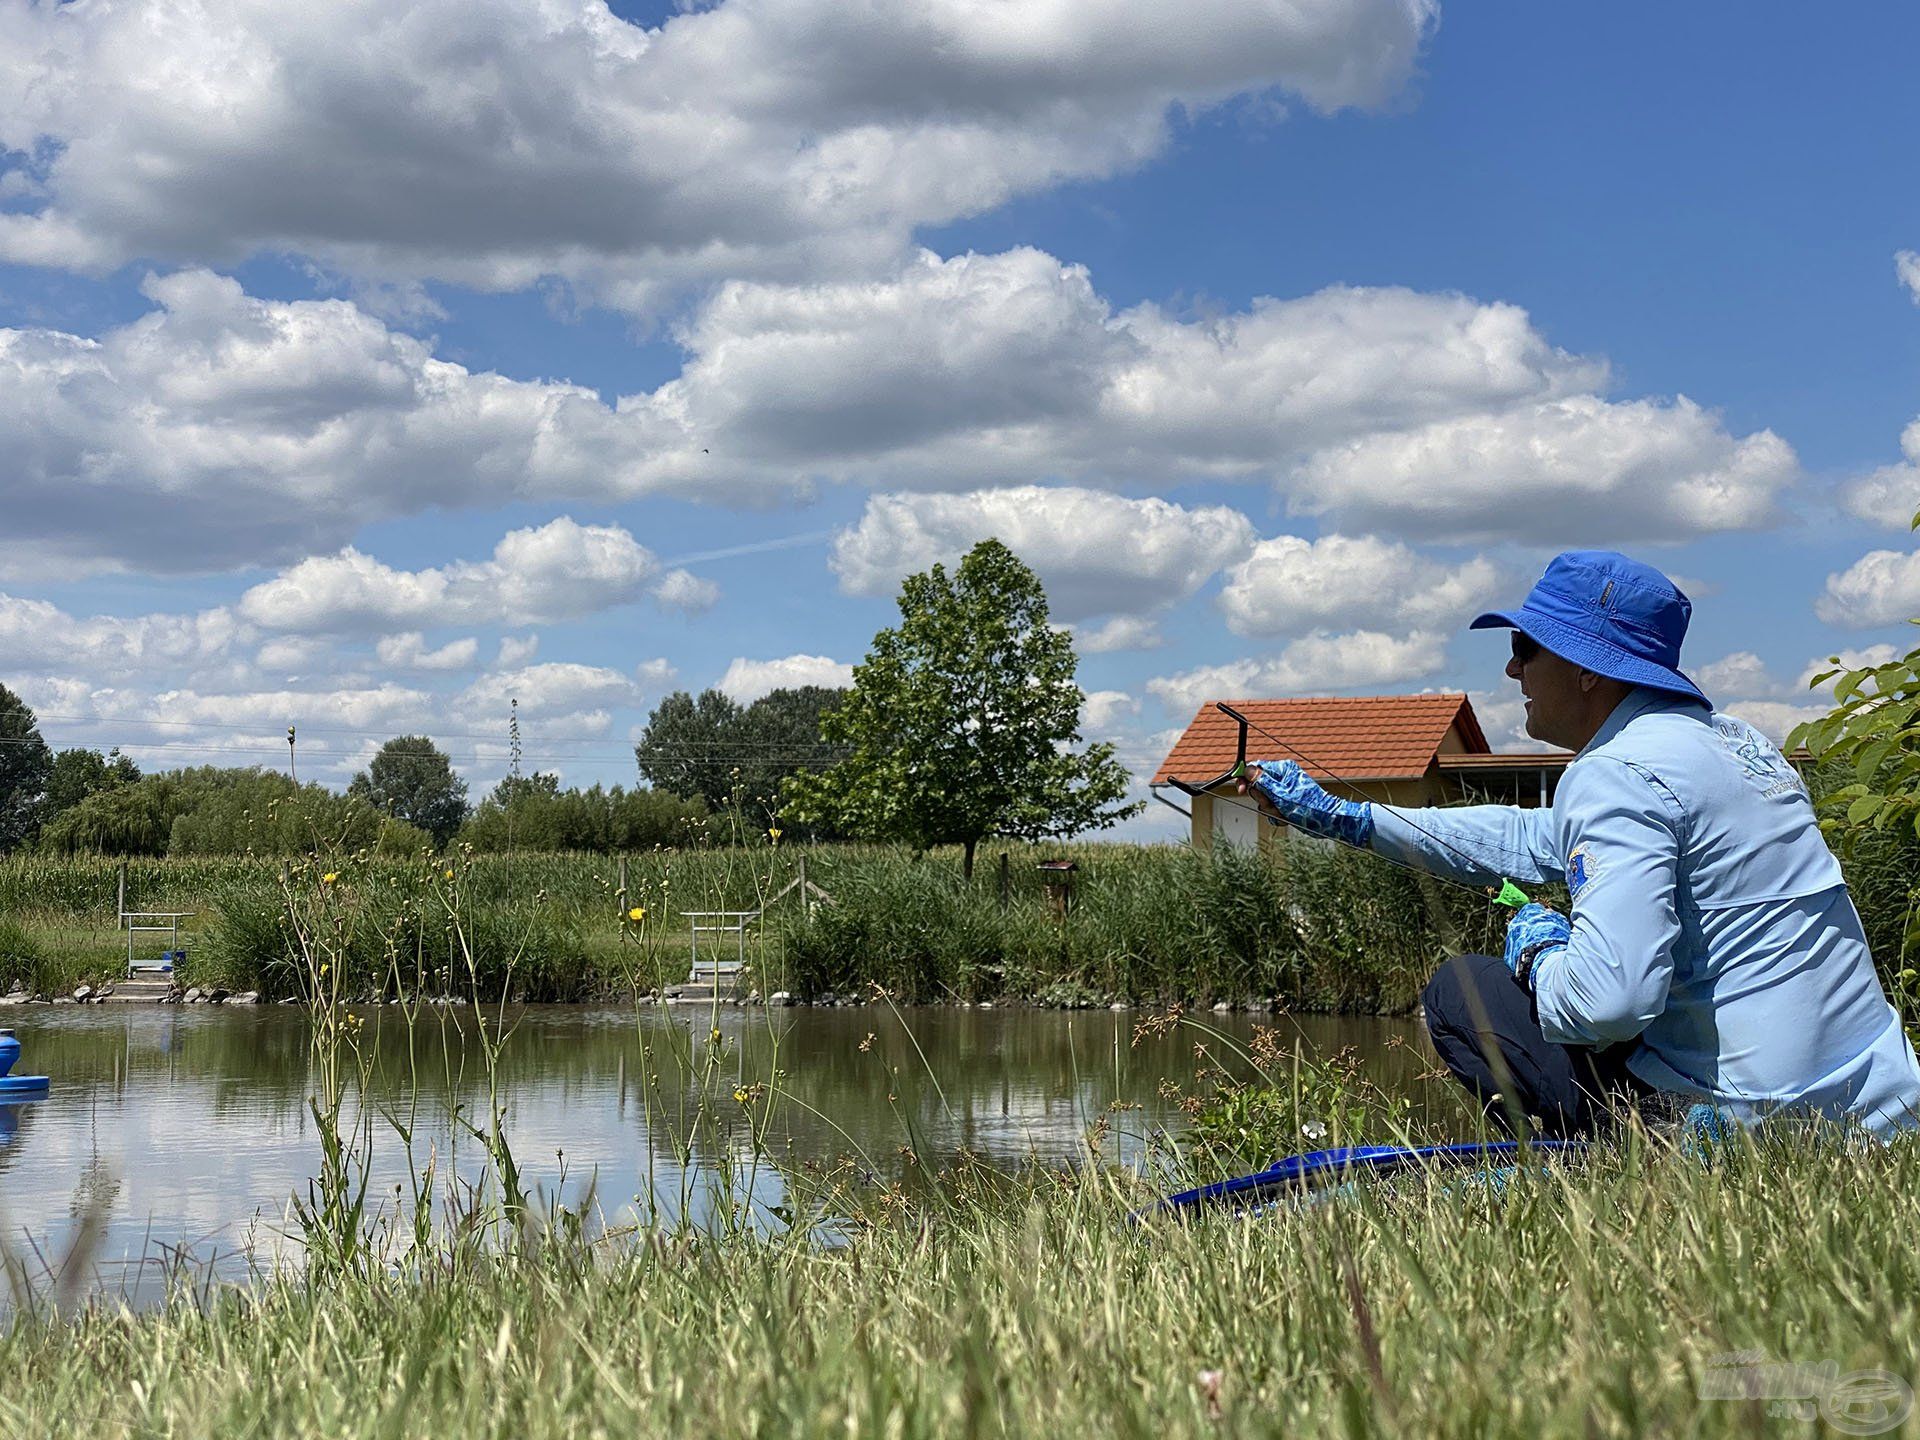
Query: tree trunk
[(966, 865)]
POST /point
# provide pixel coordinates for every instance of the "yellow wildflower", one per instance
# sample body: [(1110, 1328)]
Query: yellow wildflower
[(329, 877), (715, 1037), (638, 912), (773, 834), (739, 1095), (448, 875)]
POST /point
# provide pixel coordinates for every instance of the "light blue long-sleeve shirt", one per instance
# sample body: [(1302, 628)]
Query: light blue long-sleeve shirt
[(1711, 925)]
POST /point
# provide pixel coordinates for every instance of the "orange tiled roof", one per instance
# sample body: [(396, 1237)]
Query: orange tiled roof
[(1367, 737)]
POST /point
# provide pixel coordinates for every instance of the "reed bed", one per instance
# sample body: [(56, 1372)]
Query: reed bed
[(1314, 927), (1320, 929)]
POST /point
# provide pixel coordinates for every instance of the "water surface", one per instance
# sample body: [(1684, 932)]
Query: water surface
[(189, 1128)]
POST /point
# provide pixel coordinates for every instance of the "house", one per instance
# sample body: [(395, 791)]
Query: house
[(1399, 749)]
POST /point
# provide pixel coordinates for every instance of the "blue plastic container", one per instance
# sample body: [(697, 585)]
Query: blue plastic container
[(17, 1087)]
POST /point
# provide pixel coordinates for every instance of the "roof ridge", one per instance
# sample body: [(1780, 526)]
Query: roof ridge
[(1425, 697)]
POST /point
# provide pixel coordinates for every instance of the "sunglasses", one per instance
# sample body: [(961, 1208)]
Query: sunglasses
[(1525, 647)]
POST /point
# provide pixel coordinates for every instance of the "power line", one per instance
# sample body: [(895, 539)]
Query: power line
[(686, 758), (734, 746)]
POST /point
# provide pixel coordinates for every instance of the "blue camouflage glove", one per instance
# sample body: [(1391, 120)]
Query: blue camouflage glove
[(1533, 933), (1305, 806)]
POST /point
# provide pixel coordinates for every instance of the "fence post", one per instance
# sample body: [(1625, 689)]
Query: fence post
[(806, 904), (1006, 882), (123, 895), (623, 887)]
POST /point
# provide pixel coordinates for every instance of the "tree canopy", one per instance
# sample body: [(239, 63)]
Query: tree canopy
[(210, 810), (534, 813), (26, 768), (963, 720), (713, 749), (411, 779), (78, 773), (690, 746)]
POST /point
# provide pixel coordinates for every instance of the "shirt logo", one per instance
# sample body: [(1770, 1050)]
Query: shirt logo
[(1766, 768), (1582, 866)]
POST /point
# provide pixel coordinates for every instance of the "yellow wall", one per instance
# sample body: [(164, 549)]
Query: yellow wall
[(1411, 793)]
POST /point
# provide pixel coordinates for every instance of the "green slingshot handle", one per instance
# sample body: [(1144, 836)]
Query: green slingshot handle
[(1510, 894)]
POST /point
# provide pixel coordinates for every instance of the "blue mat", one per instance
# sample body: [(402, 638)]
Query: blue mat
[(1327, 1167)]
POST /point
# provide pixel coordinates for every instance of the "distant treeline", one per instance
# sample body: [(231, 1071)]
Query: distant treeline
[(214, 811), (718, 768)]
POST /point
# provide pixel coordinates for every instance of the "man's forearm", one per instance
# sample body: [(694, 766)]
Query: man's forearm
[(1476, 844)]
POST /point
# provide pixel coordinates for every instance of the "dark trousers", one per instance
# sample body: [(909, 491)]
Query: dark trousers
[(1482, 1023)]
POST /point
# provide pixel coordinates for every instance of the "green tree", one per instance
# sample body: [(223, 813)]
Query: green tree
[(780, 735), (712, 749), (78, 773), (263, 812), (412, 780), (535, 814), (26, 767), (1865, 757), (691, 747), (134, 819), (962, 722)]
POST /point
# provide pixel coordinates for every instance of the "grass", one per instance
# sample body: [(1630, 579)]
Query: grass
[(1579, 1302), (1596, 1299)]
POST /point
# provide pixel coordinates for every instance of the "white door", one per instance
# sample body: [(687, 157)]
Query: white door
[(1236, 821)]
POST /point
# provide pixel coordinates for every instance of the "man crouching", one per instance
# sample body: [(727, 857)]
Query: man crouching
[(1712, 949)]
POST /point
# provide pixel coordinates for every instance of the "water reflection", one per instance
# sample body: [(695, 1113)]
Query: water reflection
[(190, 1127)]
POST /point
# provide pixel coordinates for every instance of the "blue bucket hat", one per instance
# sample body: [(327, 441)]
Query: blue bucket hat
[(1608, 614)]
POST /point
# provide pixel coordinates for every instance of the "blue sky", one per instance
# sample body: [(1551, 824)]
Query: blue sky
[(407, 360)]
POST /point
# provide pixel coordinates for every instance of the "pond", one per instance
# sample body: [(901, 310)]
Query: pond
[(188, 1129)]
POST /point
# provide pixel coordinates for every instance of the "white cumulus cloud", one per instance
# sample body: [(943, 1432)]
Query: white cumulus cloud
[(1636, 470), (1890, 496), (985, 369), (1102, 710), (1906, 264), (221, 430), (1289, 584), (1122, 632), (553, 572), (1317, 664), (747, 680), (1741, 673), (1095, 552), (410, 651), (494, 142), (1882, 587), (515, 651), (39, 637), (564, 698)]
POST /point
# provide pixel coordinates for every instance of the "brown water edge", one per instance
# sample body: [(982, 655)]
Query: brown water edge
[(189, 1128)]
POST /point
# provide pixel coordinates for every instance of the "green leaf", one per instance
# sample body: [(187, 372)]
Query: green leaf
[(1867, 764), (1865, 808)]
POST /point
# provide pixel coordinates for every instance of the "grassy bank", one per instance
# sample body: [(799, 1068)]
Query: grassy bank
[(1589, 1302), (1326, 930)]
